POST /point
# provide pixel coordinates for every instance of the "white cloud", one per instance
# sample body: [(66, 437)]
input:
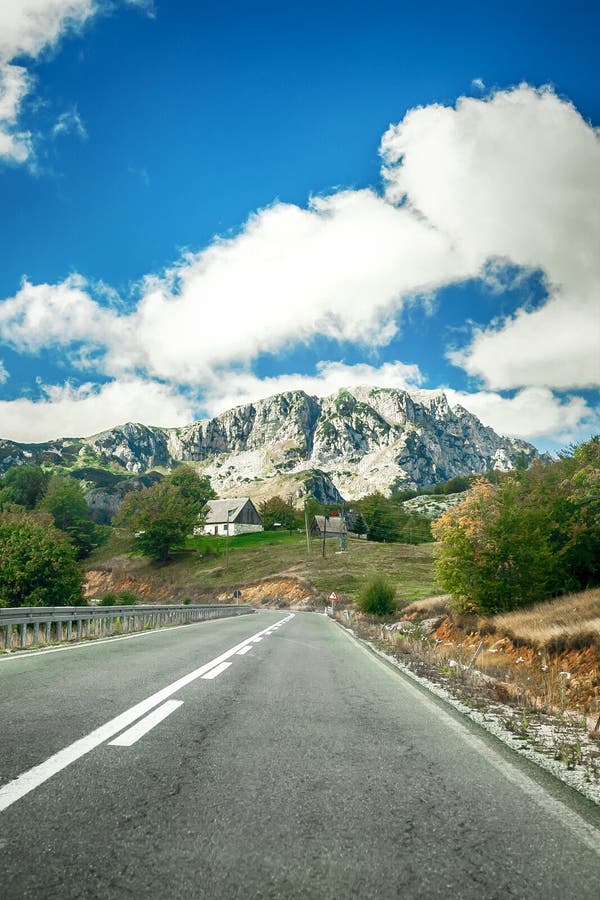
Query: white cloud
[(513, 180), (478, 84), (28, 28), (229, 389), (516, 176), (70, 122), (532, 413), (557, 345), (4, 376), (78, 412), (341, 268), (15, 145), (60, 315)]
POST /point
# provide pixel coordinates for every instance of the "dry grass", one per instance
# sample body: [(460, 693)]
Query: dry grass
[(428, 607), (567, 623)]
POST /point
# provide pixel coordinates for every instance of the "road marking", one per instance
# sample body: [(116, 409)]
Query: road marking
[(568, 817), (36, 776), (256, 640), (244, 650), (145, 725), (217, 670)]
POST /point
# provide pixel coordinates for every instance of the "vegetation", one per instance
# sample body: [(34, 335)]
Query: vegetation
[(531, 536), (203, 570), (37, 563), (378, 598), (158, 519), (119, 598), (195, 489), (387, 521), (24, 485), (65, 501), (277, 511)]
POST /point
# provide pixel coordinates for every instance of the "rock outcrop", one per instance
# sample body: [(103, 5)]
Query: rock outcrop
[(352, 443)]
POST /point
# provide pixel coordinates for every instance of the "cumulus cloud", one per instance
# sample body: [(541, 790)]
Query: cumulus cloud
[(15, 145), (4, 376), (478, 84), (556, 345), (342, 268), (516, 176), (62, 315), (532, 413), (80, 411), (506, 183), (230, 389)]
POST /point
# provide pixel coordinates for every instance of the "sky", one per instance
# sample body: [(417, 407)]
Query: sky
[(204, 204)]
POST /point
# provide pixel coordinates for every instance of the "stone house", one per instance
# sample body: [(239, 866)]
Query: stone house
[(236, 516)]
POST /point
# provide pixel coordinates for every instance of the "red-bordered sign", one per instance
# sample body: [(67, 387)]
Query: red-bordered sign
[(333, 596)]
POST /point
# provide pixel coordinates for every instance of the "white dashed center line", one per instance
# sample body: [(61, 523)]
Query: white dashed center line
[(217, 670), (145, 725)]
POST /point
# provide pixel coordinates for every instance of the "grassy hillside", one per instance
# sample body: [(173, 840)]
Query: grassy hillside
[(207, 568)]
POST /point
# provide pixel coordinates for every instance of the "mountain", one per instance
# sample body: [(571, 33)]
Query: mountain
[(352, 443)]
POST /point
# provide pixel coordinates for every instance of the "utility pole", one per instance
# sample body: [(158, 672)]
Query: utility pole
[(306, 527), (227, 543)]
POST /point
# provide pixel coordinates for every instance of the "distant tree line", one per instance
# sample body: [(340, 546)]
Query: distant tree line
[(530, 536)]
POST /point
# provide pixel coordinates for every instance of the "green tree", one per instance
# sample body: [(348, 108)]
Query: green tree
[(195, 489), (378, 598), (277, 510), (24, 485), (37, 563), (383, 518), (159, 519), (359, 526), (65, 501)]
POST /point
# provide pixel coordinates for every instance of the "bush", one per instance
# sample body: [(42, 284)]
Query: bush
[(378, 598), (120, 598), (37, 563)]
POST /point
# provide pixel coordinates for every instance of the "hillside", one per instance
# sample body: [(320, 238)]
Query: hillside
[(350, 444), (266, 567)]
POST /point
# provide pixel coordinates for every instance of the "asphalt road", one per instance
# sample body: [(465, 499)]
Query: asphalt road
[(195, 763)]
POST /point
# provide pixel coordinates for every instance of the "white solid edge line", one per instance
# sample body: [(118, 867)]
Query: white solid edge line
[(146, 724), (582, 830), (217, 670), (36, 776)]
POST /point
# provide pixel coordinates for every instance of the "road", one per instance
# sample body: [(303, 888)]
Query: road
[(199, 762)]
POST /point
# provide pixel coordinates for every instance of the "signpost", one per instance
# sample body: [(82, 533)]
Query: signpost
[(333, 597)]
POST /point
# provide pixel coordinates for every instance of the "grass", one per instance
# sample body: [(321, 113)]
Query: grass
[(567, 623), (204, 567)]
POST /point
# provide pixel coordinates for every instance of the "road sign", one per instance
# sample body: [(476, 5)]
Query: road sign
[(333, 596), (237, 595)]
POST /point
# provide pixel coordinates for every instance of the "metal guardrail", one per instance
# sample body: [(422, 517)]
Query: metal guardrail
[(27, 626)]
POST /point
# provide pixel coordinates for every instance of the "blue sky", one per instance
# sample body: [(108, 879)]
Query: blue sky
[(206, 203)]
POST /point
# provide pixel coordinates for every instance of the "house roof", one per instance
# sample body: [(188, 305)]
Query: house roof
[(335, 524), (217, 510)]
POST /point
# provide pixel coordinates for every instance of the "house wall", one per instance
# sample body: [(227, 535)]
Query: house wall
[(234, 528)]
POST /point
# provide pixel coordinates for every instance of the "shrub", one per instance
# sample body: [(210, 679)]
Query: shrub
[(378, 598), (120, 598), (37, 563)]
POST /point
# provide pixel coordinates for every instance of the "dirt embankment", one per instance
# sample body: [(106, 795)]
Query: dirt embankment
[(567, 678), (164, 584)]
